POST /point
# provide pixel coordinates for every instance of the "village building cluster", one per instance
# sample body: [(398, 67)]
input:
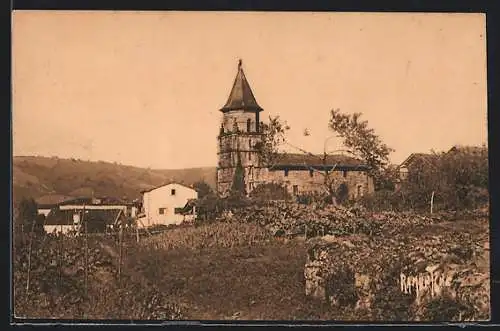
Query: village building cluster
[(240, 132)]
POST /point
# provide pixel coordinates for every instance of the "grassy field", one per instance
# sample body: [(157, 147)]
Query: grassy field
[(264, 280)]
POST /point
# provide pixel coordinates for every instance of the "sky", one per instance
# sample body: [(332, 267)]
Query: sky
[(145, 88)]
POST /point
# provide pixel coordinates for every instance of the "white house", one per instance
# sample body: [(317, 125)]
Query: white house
[(164, 205)]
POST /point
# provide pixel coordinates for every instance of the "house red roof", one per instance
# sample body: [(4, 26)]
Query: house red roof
[(241, 96)]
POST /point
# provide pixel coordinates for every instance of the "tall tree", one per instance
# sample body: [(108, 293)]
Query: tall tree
[(202, 188), (27, 213), (361, 140), (238, 185), (273, 137)]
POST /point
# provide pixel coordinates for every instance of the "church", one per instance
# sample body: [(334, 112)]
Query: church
[(241, 130)]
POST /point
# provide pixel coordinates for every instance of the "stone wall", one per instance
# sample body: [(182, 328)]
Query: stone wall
[(409, 276), (241, 118), (306, 181), (358, 182)]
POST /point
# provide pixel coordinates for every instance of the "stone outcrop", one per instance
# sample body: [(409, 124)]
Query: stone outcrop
[(411, 275)]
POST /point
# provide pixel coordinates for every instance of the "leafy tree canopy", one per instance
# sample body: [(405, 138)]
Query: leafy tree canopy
[(361, 140)]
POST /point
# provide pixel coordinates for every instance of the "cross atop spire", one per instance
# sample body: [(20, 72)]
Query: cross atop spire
[(241, 96)]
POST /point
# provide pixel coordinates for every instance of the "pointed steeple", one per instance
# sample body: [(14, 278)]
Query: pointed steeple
[(241, 96)]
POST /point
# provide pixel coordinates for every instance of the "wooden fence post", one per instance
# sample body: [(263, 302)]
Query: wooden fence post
[(432, 201), (86, 260), (120, 239), (29, 257)]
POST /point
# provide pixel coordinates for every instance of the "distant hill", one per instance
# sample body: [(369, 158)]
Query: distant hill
[(36, 176)]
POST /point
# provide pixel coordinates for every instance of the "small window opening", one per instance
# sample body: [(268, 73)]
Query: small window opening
[(172, 191), (286, 172), (249, 125), (311, 173), (344, 173), (161, 211)]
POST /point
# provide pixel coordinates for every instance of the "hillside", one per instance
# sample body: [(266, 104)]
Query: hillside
[(35, 176)]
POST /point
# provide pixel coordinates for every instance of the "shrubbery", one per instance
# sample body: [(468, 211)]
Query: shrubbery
[(458, 180)]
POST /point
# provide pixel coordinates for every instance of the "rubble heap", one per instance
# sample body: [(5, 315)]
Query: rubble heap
[(427, 272)]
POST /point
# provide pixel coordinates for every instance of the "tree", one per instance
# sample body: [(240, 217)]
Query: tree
[(270, 191), (202, 188), (27, 213), (273, 136), (362, 141), (388, 178), (454, 181), (238, 185)]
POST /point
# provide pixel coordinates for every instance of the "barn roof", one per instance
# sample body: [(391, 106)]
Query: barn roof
[(307, 161), (65, 217), (419, 157), (241, 96)]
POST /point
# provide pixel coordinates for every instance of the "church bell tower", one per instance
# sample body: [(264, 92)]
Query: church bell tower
[(239, 132)]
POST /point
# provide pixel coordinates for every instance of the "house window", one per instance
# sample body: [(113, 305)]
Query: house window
[(310, 173), (178, 210), (360, 190), (249, 125), (295, 189), (344, 173), (286, 172), (172, 191), (249, 156), (162, 211)]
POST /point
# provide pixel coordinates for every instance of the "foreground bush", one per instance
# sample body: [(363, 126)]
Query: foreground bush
[(313, 220), (58, 287)]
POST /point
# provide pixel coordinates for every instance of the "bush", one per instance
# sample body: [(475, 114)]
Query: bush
[(383, 200), (270, 191)]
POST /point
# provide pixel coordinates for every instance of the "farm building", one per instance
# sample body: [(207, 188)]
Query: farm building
[(414, 161), (240, 134), (64, 213), (48, 202), (67, 218), (168, 204)]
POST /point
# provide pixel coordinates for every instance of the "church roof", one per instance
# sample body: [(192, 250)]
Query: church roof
[(306, 161), (241, 96)]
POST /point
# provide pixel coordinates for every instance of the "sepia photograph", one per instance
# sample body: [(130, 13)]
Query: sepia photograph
[(250, 166)]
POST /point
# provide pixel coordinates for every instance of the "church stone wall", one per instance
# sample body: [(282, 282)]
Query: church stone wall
[(241, 118), (358, 182)]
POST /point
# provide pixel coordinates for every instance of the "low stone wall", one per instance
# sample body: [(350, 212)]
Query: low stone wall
[(429, 273)]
